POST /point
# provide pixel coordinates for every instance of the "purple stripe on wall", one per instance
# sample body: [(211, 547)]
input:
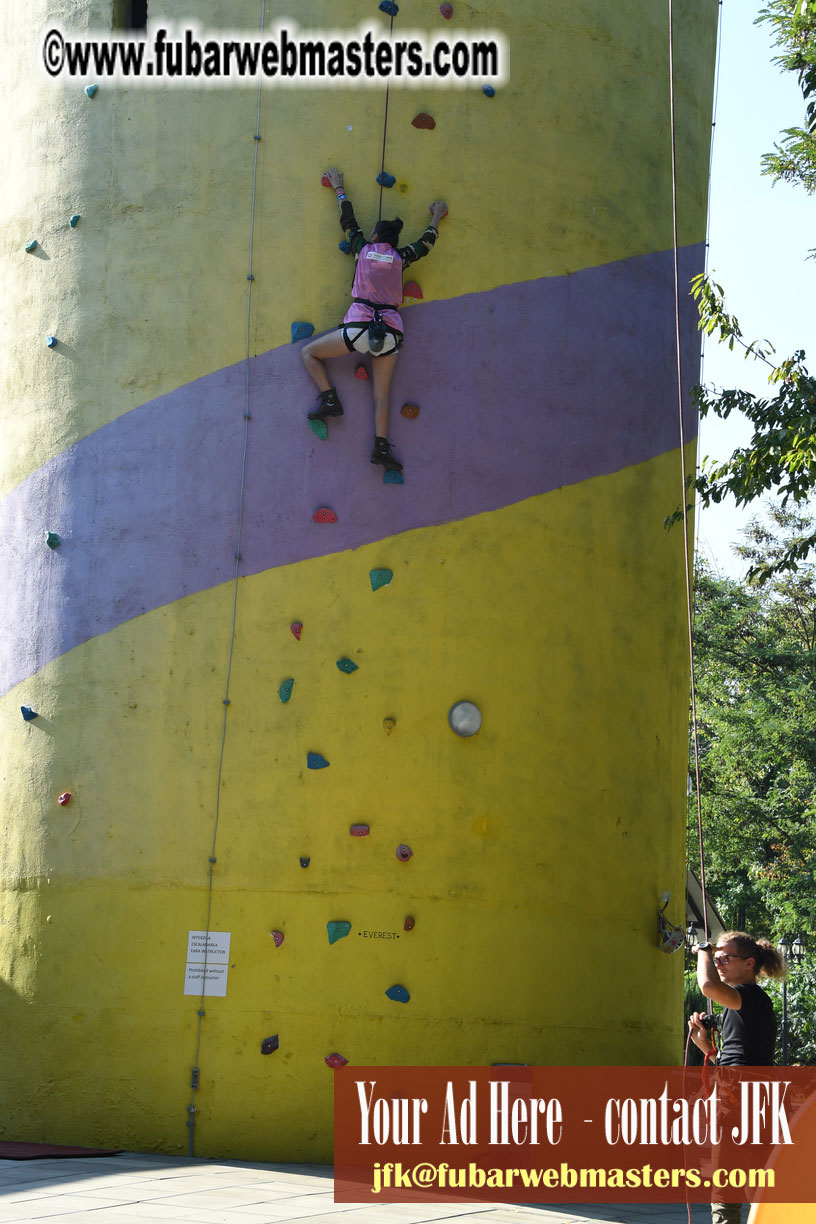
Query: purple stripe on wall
[(521, 389)]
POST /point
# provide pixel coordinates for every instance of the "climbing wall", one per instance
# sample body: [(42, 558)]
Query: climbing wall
[(242, 647)]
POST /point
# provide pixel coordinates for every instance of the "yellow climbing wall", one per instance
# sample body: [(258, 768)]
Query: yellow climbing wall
[(541, 845)]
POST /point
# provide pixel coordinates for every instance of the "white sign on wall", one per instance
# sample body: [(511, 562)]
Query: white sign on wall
[(213, 948)]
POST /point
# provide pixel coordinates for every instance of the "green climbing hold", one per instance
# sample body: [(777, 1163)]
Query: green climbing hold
[(338, 930), (320, 429), (380, 578), (285, 690), (390, 476), (74, 221), (346, 666), (52, 539)]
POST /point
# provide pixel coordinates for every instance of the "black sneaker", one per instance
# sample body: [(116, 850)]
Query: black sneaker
[(329, 405), (382, 454)]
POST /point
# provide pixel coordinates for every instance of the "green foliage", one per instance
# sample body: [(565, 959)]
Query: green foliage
[(794, 31)]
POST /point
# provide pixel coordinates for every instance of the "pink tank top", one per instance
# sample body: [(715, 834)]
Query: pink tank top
[(378, 277)]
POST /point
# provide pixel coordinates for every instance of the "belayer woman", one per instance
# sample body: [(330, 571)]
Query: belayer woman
[(372, 323)]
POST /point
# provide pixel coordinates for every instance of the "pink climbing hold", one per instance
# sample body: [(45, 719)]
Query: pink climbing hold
[(297, 629), (411, 292), (446, 10), (325, 181), (335, 1060), (64, 799), (278, 937), (362, 373), (360, 830), (324, 515), (404, 853)]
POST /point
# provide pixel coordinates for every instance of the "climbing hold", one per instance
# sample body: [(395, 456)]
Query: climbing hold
[(408, 924), (362, 373), (325, 180), (90, 90), (411, 411), (74, 220), (324, 515), (337, 930), (392, 477), (398, 993), (297, 629), (304, 862), (270, 1044), (346, 666), (64, 799), (388, 6), (51, 341), (360, 830), (335, 1060), (386, 180), (424, 121), (446, 10), (444, 214), (411, 293), (315, 761), (301, 331), (285, 690), (488, 91), (380, 578), (52, 539), (345, 247), (31, 246), (278, 937), (404, 853), (320, 429), (28, 714), (388, 725)]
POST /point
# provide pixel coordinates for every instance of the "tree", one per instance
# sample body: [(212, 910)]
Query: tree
[(794, 27)]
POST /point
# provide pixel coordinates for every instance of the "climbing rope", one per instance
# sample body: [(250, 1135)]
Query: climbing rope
[(686, 551), (231, 649), (385, 125)]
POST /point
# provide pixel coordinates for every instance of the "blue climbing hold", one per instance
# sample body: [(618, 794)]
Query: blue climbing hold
[(488, 91), (386, 180), (301, 331), (398, 993), (380, 578), (285, 690), (315, 761), (345, 247), (304, 862), (52, 539), (90, 90), (51, 341), (74, 221), (392, 477), (31, 246), (388, 6), (28, 714), (338, 930), (346, 666)]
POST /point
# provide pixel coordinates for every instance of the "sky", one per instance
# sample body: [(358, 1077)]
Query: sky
[(759, 237)]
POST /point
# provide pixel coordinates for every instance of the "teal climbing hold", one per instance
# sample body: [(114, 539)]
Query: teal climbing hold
[(398, 993), (74, 221), (346, 666), (338, 930), (345, 247), (51, 341), (386, 180), (28, 714), (315, 761), (52, 539), (380, 578), (301, 331), (31, 246), (392, 477), (90, 90), (285, 690), (320, 429)]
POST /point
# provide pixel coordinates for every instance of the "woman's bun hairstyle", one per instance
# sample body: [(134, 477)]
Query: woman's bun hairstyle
[(389, 231)]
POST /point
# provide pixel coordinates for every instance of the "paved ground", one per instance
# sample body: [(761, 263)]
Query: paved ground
[(134, 1189)]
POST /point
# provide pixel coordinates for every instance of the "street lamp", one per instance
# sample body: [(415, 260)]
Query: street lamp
[(793, 950)]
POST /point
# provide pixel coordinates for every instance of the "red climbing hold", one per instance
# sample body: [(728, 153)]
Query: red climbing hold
[(410, 411), (278, 937), (324, 515), (360, 830), (408, 924), (335, 1060), (65, 799), (411, 292), (297, 629), (444, 215), (362, 373), (424, 121), (446, 10), (325, 181)]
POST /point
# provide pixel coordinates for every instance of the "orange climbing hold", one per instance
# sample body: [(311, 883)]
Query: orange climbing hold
[(362, 373), (424, 121), (410, 411), (324, 515)]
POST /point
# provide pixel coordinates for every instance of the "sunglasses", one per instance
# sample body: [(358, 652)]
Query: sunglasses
[(726, 957)]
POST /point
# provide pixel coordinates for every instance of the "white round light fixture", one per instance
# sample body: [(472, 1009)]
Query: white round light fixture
[(465, 718)]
